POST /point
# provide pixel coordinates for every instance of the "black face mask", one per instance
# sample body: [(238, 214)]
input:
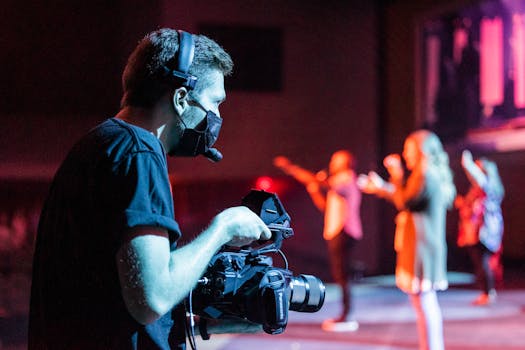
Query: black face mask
[(200, 139)]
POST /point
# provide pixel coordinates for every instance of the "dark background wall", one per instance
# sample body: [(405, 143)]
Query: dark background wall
[(397, 117), (346, 81)]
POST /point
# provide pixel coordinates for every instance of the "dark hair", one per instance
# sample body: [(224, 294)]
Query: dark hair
[(348, 156), (144, 79)]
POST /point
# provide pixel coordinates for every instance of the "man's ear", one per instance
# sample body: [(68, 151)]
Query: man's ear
[(180, 100)]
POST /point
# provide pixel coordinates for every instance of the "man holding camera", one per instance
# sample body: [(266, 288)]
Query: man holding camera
[(107, 273)]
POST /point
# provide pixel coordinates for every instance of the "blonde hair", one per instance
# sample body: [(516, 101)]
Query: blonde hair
[(432, 149)]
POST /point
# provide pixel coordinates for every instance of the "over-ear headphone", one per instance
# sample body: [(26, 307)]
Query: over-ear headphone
[(179, 72)]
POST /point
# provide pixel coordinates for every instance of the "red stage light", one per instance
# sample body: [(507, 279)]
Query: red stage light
[(264, 183)]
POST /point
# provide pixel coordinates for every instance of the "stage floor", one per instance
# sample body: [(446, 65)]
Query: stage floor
[(385, 316), (387, 321)]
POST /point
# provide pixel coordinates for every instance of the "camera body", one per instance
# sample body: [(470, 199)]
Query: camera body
[(243, 282)]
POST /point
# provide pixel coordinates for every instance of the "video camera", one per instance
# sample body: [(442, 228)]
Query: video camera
[(243, 282)]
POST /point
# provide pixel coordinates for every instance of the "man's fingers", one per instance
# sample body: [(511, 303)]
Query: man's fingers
[(266, 234)]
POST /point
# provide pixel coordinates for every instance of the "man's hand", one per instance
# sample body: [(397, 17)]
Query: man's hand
[(241, 226)]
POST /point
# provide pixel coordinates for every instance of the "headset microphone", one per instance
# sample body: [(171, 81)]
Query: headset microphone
[(213, 154), (179, 74)]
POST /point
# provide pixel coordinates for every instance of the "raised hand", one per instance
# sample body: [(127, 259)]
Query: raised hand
[(466, 158), (392, 163)]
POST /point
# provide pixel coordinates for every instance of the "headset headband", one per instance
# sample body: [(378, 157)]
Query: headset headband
[(183, 61)]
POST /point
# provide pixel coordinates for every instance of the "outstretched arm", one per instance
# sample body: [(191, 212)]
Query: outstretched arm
[(300, 174), (405, 193), (395, 189), (312, 182), (374, 184)]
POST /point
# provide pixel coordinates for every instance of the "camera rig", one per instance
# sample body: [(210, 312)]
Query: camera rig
[(243, 283)]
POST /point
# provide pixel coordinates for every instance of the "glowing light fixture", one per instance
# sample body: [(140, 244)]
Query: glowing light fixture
[(491, 63), (264, 183), (518, 58)]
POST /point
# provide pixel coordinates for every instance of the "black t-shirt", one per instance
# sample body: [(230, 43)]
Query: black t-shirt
[(114, 178)]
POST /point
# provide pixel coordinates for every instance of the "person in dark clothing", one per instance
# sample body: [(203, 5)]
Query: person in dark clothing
[(107, 271)]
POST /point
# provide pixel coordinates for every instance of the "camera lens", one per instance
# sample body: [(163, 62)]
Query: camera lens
[(306, 293)]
